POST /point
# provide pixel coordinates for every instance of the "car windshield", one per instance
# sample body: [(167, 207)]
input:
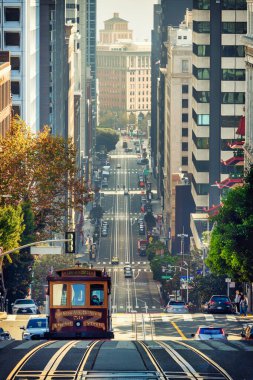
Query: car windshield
[(210, 331), (37, 323), (24, 302), (220, 299)]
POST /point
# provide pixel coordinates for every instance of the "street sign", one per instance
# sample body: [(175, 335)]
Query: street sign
[(166, 277), (227, 279), (232, 284), (46, 250)]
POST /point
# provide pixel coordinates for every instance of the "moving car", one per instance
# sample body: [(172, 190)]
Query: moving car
[(126, 192), (177, 307), (35, 328), (118, 166), (115, 260), (104, 231), (209, 332), (128, 272), (4, 335), (220, 304), (24, 306)]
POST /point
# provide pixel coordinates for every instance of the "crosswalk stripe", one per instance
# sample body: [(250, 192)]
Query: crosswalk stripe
[(209, 318)]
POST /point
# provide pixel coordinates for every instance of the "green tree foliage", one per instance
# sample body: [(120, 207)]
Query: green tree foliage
[(18, 273), (115, 120), (202, 288), (107, 137), (154, 247), (11, 228), (158, 263), (232, 236), (43, 265)]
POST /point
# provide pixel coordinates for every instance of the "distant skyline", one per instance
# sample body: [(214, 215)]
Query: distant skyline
[(139, 14)]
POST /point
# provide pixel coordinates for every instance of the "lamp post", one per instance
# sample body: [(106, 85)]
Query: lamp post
[(182, 236)]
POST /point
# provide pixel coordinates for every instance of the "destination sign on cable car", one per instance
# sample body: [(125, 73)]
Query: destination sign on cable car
[(79, 272)]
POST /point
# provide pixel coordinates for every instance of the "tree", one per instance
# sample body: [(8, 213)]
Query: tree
[(231, 243), (11, 228), (41, 168), (107, 137), (113, 119), (43, 266), (158, 263), (202, 288)]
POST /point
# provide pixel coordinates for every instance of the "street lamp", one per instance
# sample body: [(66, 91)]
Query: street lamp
[(182, 237)]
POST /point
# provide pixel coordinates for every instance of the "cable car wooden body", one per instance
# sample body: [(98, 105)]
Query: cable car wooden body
[(79, 302)]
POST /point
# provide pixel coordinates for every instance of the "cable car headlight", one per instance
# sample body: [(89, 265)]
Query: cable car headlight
[(78, 323)]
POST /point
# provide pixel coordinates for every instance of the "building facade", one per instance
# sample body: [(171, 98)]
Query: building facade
[(19, 34), (5, 91), (248, 42), (218, 93), (177, 116), (123, 71)]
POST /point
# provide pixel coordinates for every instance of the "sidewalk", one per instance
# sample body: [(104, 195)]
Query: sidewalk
[(3, 315)]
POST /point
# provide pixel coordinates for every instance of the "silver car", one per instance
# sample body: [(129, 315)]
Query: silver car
[(35, 328), (24, 306), (179, 307)]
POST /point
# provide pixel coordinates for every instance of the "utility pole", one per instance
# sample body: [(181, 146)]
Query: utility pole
[(182, 236)]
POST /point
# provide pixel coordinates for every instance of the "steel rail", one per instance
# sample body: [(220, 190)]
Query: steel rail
[(160, 372), (222, 371), (25, 359)]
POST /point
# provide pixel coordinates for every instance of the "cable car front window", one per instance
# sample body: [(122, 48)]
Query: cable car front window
[(78, 294), (60, 294), (96, 294)]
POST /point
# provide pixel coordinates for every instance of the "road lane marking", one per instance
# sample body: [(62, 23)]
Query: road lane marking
[(178, 330), (209, 317)]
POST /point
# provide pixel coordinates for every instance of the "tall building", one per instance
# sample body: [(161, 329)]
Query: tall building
[(177, 121), (218, 93), (5, 91), (123, 71), (248, 42), (19, 34)]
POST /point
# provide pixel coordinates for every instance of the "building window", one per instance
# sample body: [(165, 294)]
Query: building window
[(201, 96), (234, 27), (184, 146), (15, 63), (200, 166), (201, 4), (234, 4), (185, 89), (16, 110), (184, 132), (230, 121), (202, 74), (200, 188), (12, 39), (201, 119), (184, 161), (201, 50), (232, 51), (11, 14), (185, 103), (185, 66), (184, 117), (233, 98), (201, 26), (15, 88), (200, 142), (233, 74)]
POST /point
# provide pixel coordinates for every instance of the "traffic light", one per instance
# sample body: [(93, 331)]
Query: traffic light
[(70, 246)]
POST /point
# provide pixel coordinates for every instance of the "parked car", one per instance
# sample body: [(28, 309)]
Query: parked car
[(177, 307), (24, 306), (220, 304), (35, 328), (209, 332), (4, 335)]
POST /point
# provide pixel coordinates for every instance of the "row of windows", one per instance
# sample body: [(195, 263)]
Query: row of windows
[(132, 79), (11, 14), (139, 100), (140, 107), (226, 97), (140, 72), (226, 74), (225, 4), (139, 93), (78, 295), (226, 50), (226, 28), (226, 121)]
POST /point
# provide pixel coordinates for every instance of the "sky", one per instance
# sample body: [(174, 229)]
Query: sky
[(139, 14)]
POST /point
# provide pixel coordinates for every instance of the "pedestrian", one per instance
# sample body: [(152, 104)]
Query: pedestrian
[(243, 305), (237, 301)]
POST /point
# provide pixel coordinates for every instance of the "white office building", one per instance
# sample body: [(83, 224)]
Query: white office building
[(19, 34)]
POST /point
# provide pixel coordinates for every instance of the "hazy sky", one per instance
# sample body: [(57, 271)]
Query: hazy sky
[(139, 14)]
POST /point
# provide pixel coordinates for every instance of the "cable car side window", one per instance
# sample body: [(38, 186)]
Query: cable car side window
[(59, 294), (96, 294), (78, 294)]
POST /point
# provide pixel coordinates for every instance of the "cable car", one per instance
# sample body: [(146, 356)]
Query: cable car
[(79, 303)]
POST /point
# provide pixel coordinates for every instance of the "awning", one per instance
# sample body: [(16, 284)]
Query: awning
[(241, 127)]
